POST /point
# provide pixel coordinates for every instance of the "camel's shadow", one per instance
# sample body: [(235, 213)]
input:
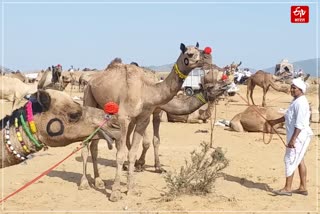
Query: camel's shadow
[(247, 183), (75, 177), (100, 161)]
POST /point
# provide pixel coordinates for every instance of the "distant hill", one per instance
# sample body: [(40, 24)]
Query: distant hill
[(5, 70), (309, 66)]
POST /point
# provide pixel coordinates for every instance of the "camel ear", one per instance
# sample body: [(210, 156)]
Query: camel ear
[(197, 45), (44, 99), (183, 48)]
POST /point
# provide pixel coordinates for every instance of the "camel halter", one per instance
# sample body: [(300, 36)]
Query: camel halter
[(179, 73), (201, 98)]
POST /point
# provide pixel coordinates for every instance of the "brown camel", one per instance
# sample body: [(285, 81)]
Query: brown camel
[(264, 80), (250, 120), (59, 122), (137, 97), (179, 105), (13, 90)]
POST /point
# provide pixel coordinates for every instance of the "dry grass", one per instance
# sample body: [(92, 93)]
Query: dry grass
[(198, 176)]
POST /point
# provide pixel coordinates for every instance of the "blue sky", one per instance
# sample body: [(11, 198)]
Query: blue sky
[(39, 34)]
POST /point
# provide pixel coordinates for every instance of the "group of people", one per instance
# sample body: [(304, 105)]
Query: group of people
[(240, 76)]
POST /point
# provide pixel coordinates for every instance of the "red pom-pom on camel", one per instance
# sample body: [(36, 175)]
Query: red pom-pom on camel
[(111, 108), (207, 50)]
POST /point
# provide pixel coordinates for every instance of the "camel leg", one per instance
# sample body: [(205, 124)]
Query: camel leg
[(251, 94), (84, 184), (145, 146), (156, 141), (236, 125), (140, 129), (128, 142), (120, 157), (265, 90), (98, 182)]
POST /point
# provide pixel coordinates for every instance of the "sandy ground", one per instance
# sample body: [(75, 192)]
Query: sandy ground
[(254, 168)]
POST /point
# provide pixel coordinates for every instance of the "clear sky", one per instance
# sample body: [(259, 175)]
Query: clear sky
[(40, 33)]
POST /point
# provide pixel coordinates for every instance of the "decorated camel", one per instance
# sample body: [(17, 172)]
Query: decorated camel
[(254, 119), (263, 80), (137, 97), (179, 105), (13, 90), (50, 118)]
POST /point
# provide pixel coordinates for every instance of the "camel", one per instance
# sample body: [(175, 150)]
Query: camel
[(13, 90), (199, 116), (84, 78), (263, 80), (137, 97), (179, 105), (19, 76), (251, 121), (46, 82), (59, 122)]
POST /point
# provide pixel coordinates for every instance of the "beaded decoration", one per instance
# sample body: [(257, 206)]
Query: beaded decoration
[(27, 131), (9, 145), (19, 136), (30, 120)]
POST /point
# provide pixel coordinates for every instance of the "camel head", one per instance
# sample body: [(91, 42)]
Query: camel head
[(213, 91), (60, 121), (191, 57)]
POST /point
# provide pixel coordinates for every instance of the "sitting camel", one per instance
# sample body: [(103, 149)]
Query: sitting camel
[(137, 100), (13, 90), (263, 80), (59, 121), (250, 120)]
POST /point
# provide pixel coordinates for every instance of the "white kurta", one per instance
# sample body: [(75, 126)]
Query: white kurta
[(297, 116)]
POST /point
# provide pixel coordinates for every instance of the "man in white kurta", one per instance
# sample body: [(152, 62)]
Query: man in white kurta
[(298, 138)]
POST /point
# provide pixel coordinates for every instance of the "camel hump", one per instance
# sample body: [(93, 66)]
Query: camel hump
[(114, 63)]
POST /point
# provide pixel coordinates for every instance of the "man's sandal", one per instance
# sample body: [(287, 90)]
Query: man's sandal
[(301, 192), (282, 193)]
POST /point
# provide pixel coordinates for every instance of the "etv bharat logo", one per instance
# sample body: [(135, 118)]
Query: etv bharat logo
[(299, 14)]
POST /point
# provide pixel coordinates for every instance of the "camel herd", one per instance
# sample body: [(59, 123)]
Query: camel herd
[(61, 121)]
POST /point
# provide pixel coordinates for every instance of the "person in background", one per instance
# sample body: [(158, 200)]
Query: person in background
[(298, 138)]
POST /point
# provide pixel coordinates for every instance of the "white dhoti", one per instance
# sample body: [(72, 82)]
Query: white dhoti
[(294, 156)]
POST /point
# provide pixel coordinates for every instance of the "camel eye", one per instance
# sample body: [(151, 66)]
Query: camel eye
[(190, 55), (74, 117)]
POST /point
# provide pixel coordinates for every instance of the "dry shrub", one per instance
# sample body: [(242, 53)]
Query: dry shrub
[(198, 176)]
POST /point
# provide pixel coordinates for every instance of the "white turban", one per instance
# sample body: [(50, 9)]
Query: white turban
[(300, 84)]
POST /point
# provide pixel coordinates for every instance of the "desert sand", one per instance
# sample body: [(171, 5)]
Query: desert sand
[(255, 168)]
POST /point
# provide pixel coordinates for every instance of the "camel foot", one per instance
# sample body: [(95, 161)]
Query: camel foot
[(115, 196), (84, 184), (160, 170), (139, 165), (98, 183), (125, 167)]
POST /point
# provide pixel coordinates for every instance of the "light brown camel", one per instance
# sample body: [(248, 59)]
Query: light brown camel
[(137, 97), (250, 120), (46, 82), (263, 80), (179, 105), (13, 90), (19, 76), (59, 122)]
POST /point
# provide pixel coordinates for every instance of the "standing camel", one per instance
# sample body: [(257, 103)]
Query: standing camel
[(181, 105), (137, 97), (264, 80)]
